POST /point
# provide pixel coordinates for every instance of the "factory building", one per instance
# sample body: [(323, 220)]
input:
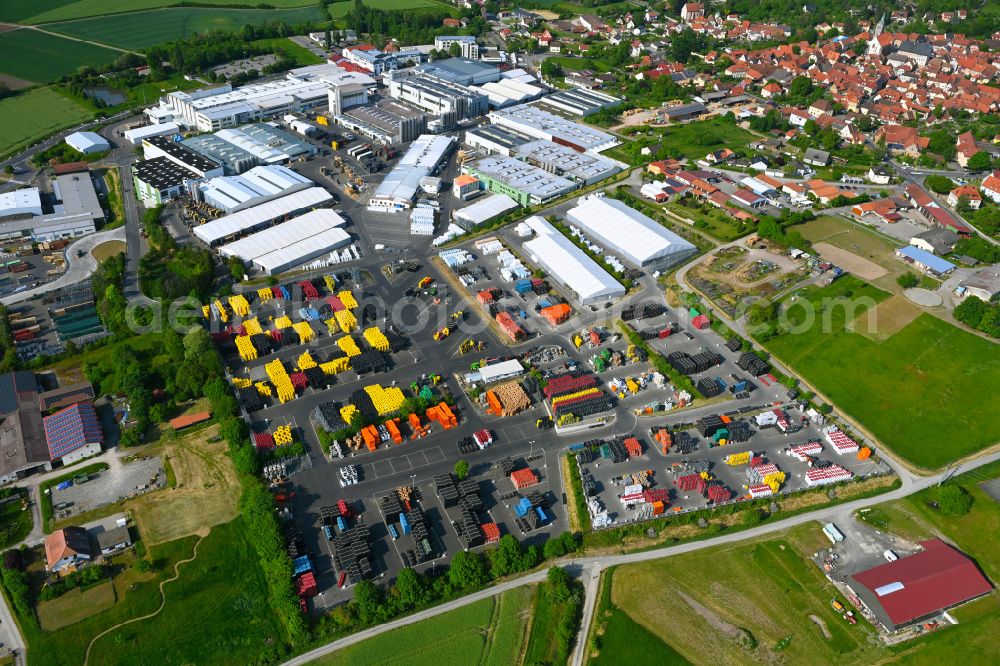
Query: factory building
[(581, 101), (569, 265), (470, 49), (582, 168), (462, 71), (76, 210), (216, 108), (496, 140), (387, 122), (258, 185), (256, 218), (136, 135), (448, 102), (159, 180), (399, 188), (541, 124), (378, 62), (181, 155), (637, 238), (510, 91), (291, 243), (526, 184), (483, 211)]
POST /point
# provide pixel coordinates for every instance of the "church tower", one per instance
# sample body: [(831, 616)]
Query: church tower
[(874, 48)]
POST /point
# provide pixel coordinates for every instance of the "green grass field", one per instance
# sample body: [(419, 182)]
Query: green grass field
[(713, 221), (41, 57), (488, 632), (626, 641), (216, 613), (15, 522), (63, 10), (911, 390), (142, 29), (34, 114)]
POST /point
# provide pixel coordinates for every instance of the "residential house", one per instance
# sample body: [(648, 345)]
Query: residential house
[(984, 285), (965, 148), (770, 90), (692, 11), (991, 186), (820, 107), (902, 139), (881, 209), (816, 157), (749, 199), (114, 540), (66, 549), (879, 175), (967, 192)]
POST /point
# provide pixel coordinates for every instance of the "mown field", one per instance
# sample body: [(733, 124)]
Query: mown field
[(33, 115), (913, 390), (142, 29), (41, 57), (488, 632), (47, 11)]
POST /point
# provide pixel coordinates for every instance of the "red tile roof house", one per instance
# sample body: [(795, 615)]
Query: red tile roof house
[(917, 588), (966, 148), (991, 186), (65, 549), (970, 193), (902, 139)]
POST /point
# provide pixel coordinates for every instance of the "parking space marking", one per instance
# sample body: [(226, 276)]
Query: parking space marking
[(401, 464)]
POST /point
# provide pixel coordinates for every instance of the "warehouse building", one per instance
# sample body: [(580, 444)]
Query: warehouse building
[(291, 243), (569, 265), (483, 211), (181, 155), (137, 135), (541, 124), (509, 91), (267, 143), (462, 71), (581, 101), (252, 219), (234, 159), (924, 261), (159, 180), (20, 204), (216, 108), (87, 143), (448, 102), (526, 184), (73, 433), (917, 588), (22, 446), (399, 188), (582, 168), (639, 239), (258, 185), (496, 140), (75, 213), (470, 49), (387, 122)]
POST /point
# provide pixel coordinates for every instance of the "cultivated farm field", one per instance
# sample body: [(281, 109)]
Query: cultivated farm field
[(913, 389), (488, 632), (142, 29), (33, 115), (47, 11), (42, 57)]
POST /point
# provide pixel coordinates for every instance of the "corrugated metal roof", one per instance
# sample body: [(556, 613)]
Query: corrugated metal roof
[(283, 235), (251, 218), (569, 264)]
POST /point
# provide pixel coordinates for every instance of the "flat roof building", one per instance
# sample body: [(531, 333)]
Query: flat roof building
[(463, 71), (448, 102), (484, 210), (582, 168), (181, 155), (541, 124), (252, 219), (233, 158), (258, 185), (159, 180), (915, 589), (496, 139), (569, 265), (526, 184), (624, 230), (581, 101), (76, 212), (399, 188), (136, 135), (291, 243), (467, 44), (386, 121), (19, 204)]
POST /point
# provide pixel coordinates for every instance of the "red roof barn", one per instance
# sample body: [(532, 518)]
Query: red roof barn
[(916, 588)]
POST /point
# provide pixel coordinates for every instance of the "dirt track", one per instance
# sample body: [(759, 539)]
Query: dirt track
[(852, 263)]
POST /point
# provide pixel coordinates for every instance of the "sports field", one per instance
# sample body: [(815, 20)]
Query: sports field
[(140, 30), (929, 391), (41, 57), (488, 632), (34, 114)]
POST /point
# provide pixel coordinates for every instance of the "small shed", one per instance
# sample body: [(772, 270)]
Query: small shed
[(701, 322)]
